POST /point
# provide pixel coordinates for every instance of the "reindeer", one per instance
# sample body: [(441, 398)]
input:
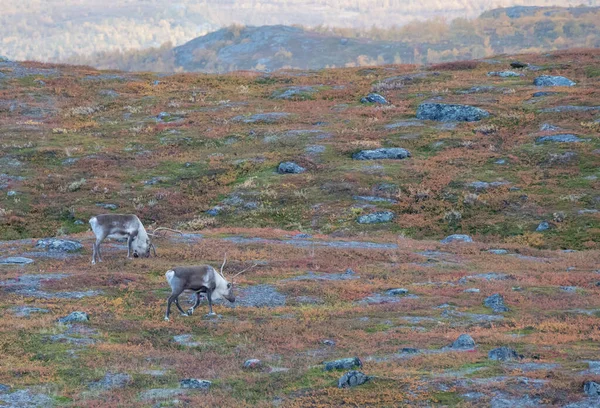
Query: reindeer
[(199, 279), (121, 226)]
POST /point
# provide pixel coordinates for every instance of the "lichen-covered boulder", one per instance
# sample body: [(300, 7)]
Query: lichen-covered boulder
[(383, 153), (450, 112), (503, 354), (550, 80), (290, 168), (353, 379), (374, 98), (343, 364), (376, 217)]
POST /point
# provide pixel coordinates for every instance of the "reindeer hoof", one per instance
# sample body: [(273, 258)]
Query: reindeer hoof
[(166, 319), (211, 314), (185, 314), (191, 311)]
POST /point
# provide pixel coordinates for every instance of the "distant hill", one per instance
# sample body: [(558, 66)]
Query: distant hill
[(268, 48), (275, 47)]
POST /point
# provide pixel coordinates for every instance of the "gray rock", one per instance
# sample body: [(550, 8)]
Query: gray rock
[(75, 317), (374, 98), (484, 185), (383, 153), (107, 206), (397, 292), (376, 218), (456, 238), (450, 113), (194, 383), (543, 226), (570, 108), (496, 303), (328, 342), (498, 251), (26, 399), (253, 363), (110, 93), (59, 245), (271, 117), (570, 289), (472, 290), (505, 74), (353, 379), (343, 364), (549, 80), (503, 354), (543, 93), (112, 381), (463, 342), (258, 296), (547, 127), (15, 260), (500, 161), (25, 311), (404, 123), (290, 168), (375, 199), (70, 161), (79, 222), (215, 211), (294, 93), (186, 340), (160, 393), (314, 149), (563, 138), (409, 350), (591, 388), (4, 388), (505, 401)]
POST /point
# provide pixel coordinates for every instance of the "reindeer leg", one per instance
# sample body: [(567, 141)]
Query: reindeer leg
[(179, 307), (191, 309), (93, 253), (129, 242), (169, 301), (209, 297)]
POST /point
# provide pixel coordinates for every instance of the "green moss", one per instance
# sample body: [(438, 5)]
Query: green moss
[(449, 399)]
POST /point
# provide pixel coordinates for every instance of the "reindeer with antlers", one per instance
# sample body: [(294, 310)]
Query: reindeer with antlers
[(199, 279), (124, 226)]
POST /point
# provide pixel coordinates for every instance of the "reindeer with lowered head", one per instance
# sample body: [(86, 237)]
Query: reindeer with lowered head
[(122, 226), (199, 279)]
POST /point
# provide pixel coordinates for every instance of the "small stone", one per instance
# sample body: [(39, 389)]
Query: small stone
[(75, 317), (591, 388), (498, 251), (113, 381), (409, 350), (396, 153), (328, 342), (505, 74), (185, 340), (107, 206), (253, 363), (472, 290), (563, 138), (79, 222), (4, 388), (215, 211), (343, 364), (374, 98), (503, 354), (549, 80), (496, 303), (59, 245), (15, 260), (376, 218), (464, 342), (397, 292), (290, 168), (457, 238), (543, 226), (352, 379), (195, 384), (547, 127), (570, 289), (450, 113)]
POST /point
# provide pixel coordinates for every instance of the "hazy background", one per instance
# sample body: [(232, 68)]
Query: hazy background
[(56, 30)]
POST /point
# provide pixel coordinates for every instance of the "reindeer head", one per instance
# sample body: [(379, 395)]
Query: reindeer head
[(227, 285)]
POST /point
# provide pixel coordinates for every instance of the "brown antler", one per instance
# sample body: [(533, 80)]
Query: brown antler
[(153, 233), (247, 269)]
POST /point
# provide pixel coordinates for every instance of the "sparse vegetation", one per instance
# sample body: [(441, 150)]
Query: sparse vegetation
[(167, 147)]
